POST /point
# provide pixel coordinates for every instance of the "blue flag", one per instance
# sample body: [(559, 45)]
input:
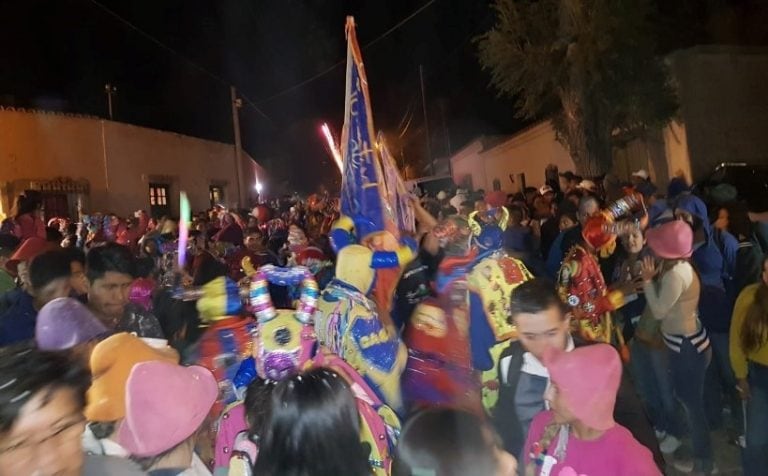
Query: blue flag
[(362, 186)]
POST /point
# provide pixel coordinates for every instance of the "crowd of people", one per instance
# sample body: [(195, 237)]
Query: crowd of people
[(564, 330)]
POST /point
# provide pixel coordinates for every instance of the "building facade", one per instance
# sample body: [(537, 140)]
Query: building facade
[(723, 117), (86, 165)]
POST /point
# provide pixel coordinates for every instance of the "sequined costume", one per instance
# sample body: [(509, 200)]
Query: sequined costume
[(490, 282), (347, 323), (581, 285), (580, 282)]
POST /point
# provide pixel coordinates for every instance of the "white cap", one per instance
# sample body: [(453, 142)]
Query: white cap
[(588, 185), (545, 189), (642, 173), (441, 195)]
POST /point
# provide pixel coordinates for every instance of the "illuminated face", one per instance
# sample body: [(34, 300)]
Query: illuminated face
[(543, 330), (634, 241), (253, 242), (108, 295), (77, 280), (45, 438), (557, 404), (588, 210)]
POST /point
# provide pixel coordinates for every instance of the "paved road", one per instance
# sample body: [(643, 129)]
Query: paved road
[(727, 456)]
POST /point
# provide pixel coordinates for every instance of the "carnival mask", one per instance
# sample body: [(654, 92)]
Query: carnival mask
[(489, 233), (285, 338)]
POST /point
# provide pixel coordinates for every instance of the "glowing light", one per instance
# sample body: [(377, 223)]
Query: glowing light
[(259, 187), (332, 147), (185, 213)]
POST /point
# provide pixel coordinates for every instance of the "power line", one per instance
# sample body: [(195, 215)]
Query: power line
[(343, 61), (225, 83), (399, 24), (167, 48)]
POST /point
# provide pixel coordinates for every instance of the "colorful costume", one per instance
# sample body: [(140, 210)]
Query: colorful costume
[(440, 370), (285, 343), (301, 253), (388, 259), (141, 292), (347, 324), (228, 340), (490, 282), (581, 284), (582, 287), (286, 338)]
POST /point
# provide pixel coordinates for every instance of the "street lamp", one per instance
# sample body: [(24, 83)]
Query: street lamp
[(259, 187)]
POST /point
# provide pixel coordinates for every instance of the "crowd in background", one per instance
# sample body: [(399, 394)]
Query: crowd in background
[(641, 327)]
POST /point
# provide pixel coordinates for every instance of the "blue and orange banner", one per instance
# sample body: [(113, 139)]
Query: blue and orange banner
[(362, 188)]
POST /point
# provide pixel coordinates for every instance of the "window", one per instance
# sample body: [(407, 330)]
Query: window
[(158, 195), (159, 199), (216, 195)]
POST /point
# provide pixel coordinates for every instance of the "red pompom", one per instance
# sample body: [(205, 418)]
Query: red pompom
[(595, 232)]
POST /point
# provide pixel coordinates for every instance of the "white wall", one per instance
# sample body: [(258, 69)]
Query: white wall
[(527, 152), (118, 160)]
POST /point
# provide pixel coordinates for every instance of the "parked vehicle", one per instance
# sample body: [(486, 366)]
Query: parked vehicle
[(751, 182)]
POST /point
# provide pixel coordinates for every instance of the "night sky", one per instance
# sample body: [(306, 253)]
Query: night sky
[(57, 55)]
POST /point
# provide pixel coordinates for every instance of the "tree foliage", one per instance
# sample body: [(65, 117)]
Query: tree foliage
[(590, 61)]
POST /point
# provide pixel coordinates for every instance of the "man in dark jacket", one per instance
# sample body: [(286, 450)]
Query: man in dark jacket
[(48, 279), (542, 323)]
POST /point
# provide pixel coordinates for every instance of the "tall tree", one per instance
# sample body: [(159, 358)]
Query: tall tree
[(590, 64)]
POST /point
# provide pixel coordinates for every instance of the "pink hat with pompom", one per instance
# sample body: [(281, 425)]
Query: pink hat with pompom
[(587, 380)]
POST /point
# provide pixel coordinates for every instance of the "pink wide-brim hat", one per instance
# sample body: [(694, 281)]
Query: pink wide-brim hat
[(587, 380), (672, 240), (164, 405), (65, 323)]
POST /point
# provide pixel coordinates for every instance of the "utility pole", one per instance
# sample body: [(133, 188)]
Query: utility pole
[(445, 128), (426, 121), (110, 90), (237, 104)]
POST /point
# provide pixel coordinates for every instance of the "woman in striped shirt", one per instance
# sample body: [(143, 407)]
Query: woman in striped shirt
[(672, 289)]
